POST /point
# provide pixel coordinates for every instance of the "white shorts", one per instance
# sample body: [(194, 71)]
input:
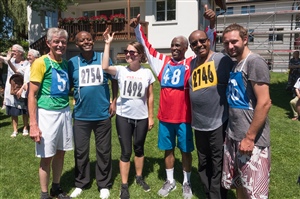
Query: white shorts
[(57, 133)]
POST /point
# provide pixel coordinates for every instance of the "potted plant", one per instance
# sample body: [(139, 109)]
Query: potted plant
[(83, 20), (117, 18), (100, 19), (66, 21)]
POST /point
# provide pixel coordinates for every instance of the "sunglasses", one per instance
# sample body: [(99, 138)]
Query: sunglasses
[(131, 52), (195, 43)]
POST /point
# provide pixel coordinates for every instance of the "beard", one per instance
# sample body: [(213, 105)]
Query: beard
[(236, 52)]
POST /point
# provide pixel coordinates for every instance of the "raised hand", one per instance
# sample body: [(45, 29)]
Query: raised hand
[(107, 37), (210, 15), (135, 21)]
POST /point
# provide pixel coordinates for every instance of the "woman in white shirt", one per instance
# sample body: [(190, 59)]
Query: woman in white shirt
[(134, 108)]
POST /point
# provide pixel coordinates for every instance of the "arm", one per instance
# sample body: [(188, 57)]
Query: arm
[(297, 91), (261, 91), (114, 89), (210, 15), (35, 132), (156, 60), (105, 62), (150, 103)]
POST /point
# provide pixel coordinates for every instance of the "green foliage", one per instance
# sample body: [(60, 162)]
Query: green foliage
[(49, 5), (19, 167)]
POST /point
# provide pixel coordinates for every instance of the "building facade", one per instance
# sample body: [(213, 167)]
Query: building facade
[(273, 27)]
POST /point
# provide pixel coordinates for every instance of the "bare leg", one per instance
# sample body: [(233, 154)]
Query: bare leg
[(25, 121), (15, 123), (44, 173), (169, 159), (57, 165), (240, 193), (124, 171), (186, 161), (139, 164)]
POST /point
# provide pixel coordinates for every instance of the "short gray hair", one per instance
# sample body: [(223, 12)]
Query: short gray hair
[(19, 48), (56, 32), (34, 52)]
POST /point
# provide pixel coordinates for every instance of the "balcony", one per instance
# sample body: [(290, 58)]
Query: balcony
[(123, 32)]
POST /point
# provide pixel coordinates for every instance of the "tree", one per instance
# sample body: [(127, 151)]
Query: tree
[(14, 24)]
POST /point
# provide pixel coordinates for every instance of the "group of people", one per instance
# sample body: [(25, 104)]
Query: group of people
[(226, 103), (16, 86)]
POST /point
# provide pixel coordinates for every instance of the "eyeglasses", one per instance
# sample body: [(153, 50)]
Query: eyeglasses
[(131, 52), (195, 43), (63, 42)]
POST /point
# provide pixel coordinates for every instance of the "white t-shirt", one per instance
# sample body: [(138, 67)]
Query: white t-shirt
[(133, 92), (8, 98), (297, 84)]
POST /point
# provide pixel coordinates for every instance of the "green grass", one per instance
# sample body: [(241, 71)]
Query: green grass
[(19, 166)]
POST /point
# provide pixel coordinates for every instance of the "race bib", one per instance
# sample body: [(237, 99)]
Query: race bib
[(60, 83), (173, 76), (132, 88), (204, 76), (90, 75)]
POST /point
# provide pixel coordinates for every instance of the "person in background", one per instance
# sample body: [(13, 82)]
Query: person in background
[(174, 112), (134, 109), (49, 111), (207, 83), (15, 106), (295, 103), (294, 70), (247, 156), (92, 111)]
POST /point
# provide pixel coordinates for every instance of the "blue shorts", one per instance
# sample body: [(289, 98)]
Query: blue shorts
[(167, 136)]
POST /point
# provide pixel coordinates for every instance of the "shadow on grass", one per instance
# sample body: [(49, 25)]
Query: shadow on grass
[(280, 97), (149, 165)]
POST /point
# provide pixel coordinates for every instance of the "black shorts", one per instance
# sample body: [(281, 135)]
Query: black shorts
[(13, 111)]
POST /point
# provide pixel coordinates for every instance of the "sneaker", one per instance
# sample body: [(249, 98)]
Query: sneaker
[(14, 134), (124, 193), (25, 132), (59, 194), (140, 181), (167, 188), (77, 191), (104, 193), (187, 191)]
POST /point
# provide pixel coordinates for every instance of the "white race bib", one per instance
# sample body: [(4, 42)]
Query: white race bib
[(132, 88), (91, 75)]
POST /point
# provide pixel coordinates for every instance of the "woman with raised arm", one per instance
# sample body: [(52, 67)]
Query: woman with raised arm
[(134, 108)]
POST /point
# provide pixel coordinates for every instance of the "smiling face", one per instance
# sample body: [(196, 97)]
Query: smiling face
[(233, 44), (131, 54), (179, 46), (17, 54), (57, 45), (30, 57), (199, 43), (84, 41)]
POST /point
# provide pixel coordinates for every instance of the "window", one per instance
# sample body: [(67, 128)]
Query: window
[(49, 19), (165, 10), (134, 11), (220, 11), (229, 11), (248, 9), (219, 38), (89, 13), (275, 36), (250, 35)]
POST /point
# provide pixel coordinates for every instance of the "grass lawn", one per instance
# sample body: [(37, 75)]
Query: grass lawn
[(19, 166)]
